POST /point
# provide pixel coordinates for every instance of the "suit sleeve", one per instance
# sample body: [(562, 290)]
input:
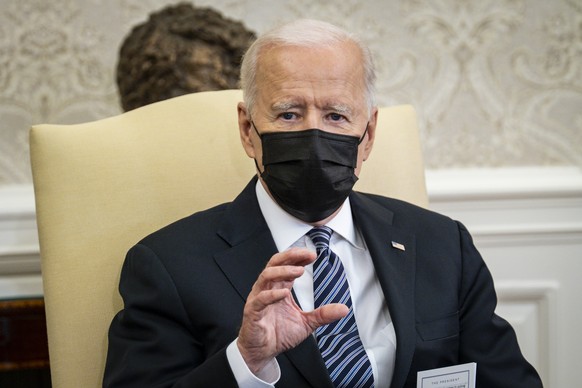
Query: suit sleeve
[(486, 338), (151, 343)]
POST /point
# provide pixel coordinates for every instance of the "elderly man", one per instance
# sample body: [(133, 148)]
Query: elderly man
[(301, 282)]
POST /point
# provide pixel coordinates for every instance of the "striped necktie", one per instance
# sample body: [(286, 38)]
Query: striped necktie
[(339, 342)]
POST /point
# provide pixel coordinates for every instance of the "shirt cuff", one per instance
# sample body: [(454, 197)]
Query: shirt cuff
[(265, 378)]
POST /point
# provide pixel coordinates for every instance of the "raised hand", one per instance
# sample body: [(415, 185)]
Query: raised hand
[(272, 321)]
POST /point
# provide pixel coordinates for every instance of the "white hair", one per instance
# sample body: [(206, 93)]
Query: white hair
[(303, 33)]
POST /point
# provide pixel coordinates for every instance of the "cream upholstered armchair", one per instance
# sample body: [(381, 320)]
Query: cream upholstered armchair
[(103, 185)]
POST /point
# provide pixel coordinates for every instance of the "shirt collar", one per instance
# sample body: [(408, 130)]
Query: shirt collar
[(286, 229)]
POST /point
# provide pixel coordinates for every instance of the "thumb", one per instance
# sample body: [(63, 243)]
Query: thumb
[(327, 314)]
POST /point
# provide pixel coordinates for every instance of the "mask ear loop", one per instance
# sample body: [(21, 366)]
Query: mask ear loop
[(359, 141), (257, 131), (260, 137)]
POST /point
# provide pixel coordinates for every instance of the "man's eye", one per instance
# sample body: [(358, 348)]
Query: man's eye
[(336, 117), (288, 116)]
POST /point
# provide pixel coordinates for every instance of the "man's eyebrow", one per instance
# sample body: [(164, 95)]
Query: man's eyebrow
[(285, 106), (339, 108)]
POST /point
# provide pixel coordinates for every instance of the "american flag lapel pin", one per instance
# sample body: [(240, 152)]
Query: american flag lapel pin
[(397, 245)]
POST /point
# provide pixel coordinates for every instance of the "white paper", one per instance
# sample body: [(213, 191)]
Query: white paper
[(458, 376)]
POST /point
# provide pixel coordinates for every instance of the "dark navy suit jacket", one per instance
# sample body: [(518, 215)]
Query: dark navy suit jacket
[(184, 288)]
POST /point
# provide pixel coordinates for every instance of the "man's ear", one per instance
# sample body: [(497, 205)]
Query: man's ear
[(245, 129), (371, 134)]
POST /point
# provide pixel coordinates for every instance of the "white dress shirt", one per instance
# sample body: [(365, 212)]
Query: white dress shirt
[(370, 309)]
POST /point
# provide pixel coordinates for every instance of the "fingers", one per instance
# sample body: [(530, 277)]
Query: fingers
[(294, 256), (283, 268), (275, 282), (268, 297), (272, 321), (277, 277)]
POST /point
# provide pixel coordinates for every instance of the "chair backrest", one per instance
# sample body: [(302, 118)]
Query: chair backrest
[(103, 185)]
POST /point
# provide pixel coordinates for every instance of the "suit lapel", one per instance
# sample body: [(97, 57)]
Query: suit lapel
[(395, 269), (251, 243), (251, 247)]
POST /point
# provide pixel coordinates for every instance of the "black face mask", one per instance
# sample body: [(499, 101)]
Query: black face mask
[(309, 173)]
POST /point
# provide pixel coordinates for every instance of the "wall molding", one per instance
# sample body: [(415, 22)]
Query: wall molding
[(19, 248), (530, 307), (512, 206), (21, 286), (461, 185)]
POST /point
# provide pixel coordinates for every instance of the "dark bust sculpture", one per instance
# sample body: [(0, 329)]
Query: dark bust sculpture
[(181, 49)]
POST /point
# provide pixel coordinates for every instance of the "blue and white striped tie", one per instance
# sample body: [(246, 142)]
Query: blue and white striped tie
[(339, 342)]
